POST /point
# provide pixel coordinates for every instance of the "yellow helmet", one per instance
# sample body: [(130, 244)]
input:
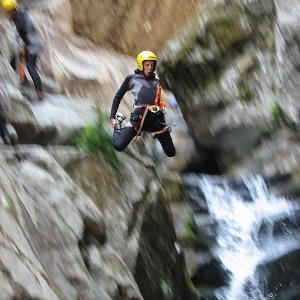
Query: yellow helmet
[(144, 55), (9, 5)]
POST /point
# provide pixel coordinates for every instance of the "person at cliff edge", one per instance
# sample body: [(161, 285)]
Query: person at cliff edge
[(31, 39), (149, 109)]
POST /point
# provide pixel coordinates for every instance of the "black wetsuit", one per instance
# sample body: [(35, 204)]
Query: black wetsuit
[(33, 45), (144, 90)]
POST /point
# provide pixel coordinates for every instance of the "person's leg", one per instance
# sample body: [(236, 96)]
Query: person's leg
[(122, 137), (166, 143), (32, 69), (13, 65)]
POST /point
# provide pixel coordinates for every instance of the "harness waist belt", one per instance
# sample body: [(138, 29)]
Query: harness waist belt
[(152, 108)]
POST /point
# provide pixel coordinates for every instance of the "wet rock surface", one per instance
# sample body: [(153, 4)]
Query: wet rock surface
[(282, 276), (230, 69)]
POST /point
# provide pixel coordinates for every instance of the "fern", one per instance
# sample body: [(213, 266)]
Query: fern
[(97, 140)]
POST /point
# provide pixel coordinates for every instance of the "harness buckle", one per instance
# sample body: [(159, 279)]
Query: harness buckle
[(154, 108)]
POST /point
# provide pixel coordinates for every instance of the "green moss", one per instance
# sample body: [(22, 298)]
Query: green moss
[(187, 41), (191, 237), (280, 117), (273, 86), (190, 225), (189, 282), (275, 109), (9, 202), (172, 190), (214, 43), (224, 28), (269, 38), (97, 140), (58, 294), (246, 94)]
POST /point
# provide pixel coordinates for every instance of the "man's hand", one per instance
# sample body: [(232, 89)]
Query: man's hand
[(113, 122)]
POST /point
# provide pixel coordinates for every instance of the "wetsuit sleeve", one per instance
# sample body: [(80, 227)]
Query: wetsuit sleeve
[(19, 19), (119, 95)]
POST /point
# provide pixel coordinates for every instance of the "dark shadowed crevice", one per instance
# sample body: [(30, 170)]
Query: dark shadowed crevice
[(159, 270), (93, 233), (207, 162)]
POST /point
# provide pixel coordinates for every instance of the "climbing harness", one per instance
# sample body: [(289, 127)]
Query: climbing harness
[(158, 106)]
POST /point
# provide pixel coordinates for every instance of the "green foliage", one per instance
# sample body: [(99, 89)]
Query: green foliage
[(247, 79), (165, 287), (190, 228), (225, 28), (280, 117), (192, 238), (275, 109), (58, 293), (246, 93), (10, 202), (97, 140)]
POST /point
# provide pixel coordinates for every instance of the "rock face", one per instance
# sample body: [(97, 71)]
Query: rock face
[(79, 79), (139, 222), (288, 56), (140, 25), (233, 70), (64, 64), (42, 224), (282, 276), (52, 122), (75, 247), (72, 227), (168, 266)]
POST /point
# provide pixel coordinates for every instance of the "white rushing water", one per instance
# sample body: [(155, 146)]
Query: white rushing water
[(240, 216)]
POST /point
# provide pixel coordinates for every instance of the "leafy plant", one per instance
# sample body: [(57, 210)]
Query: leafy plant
[(275, 109), (190, 228), (96, 139)]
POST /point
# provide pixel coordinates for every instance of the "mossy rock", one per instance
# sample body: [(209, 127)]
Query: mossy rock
[(246, 93), (192, 238), (212, 39), (172, 189), (225, 28)]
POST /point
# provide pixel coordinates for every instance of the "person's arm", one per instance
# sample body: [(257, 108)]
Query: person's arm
[(118, 97)]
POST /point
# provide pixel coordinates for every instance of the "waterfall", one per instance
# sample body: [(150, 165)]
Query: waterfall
[(246, 214)]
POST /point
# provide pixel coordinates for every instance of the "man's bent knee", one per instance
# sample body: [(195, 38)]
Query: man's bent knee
[(119, 144), (171, 153), (119, 147)]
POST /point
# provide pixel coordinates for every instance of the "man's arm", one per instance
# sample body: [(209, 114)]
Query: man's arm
[(119, 95)]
